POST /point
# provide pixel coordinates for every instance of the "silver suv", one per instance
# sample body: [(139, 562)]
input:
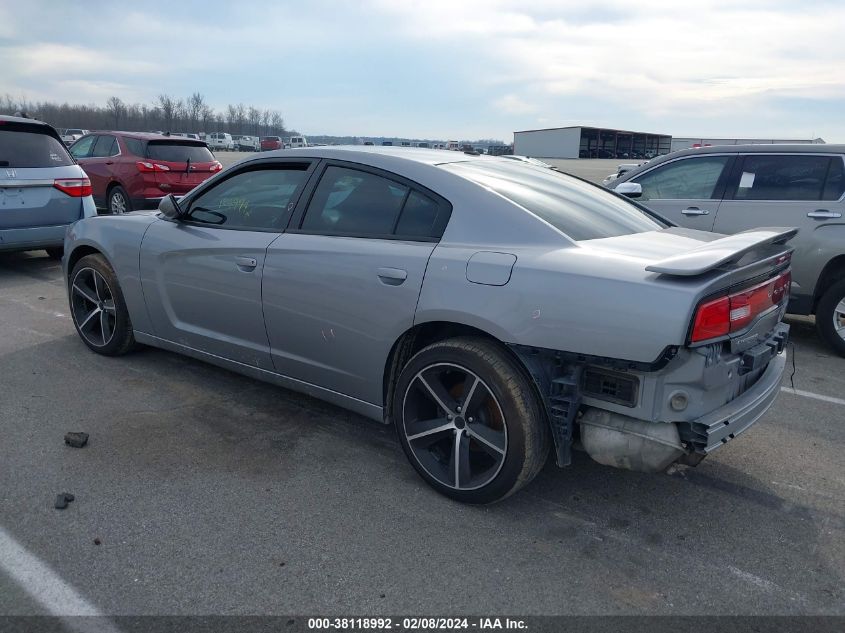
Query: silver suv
[(42, 189), (733, 188)]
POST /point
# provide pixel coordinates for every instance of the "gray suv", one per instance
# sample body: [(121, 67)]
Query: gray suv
[(729, 189), (42, 189)]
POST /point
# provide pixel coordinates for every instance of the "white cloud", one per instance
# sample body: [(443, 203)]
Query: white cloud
[(512, 104)]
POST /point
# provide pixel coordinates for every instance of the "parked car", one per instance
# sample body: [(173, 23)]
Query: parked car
[(489, 309), (734, 188), (134, 170), (246, 143), (71, 135), (269, 143), (298, 141), (42, 189), (220, 141), (621, 169)]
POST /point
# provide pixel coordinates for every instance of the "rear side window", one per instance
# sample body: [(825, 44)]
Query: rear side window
[(353, 202), (23, 145), (178, 152), (421, 216), (792, 177), (687, 179), (252, 200), (135, 147), (834, 186), (580, 210)]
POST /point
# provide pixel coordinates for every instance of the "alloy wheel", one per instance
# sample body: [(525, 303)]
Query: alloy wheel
[(839, 319), (92, 304), (118, 203), (454, 426)]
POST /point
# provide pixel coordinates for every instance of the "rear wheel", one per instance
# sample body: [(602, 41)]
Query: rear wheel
[(469, 421), (118, 201), (98, 309), (830, 317)]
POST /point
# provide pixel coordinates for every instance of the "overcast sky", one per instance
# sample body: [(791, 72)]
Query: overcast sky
[(449, 69)]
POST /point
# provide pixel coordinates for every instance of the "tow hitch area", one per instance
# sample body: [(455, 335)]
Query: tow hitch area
[(759, 355)]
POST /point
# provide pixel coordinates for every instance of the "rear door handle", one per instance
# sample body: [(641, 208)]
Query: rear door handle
[(824, 214), (246, 264), (695, 211), (392, 276)]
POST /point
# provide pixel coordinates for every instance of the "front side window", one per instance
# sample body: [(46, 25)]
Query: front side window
[(353, 202), (686, 179), (580, 210), (253, 200), (793, 177), (82, 147)]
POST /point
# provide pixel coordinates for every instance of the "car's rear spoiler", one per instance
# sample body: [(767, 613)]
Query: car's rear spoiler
[(723, 251)]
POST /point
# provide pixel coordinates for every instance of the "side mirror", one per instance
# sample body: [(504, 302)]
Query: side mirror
[(170, 208), (629, 189)]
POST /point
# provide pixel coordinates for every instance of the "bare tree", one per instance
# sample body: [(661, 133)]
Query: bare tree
[(278, 123), (206, 116), (265, 121), (240, 117), (196, 103), (115, 108), (168, 109), (254, 115)]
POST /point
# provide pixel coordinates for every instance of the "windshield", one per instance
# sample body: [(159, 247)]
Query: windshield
[(23, 145), (178, 152), (581, 210)]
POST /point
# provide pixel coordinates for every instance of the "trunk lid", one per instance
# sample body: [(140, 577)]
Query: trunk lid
[(743, 266)]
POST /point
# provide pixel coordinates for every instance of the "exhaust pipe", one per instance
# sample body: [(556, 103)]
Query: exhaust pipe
[(617, 440)]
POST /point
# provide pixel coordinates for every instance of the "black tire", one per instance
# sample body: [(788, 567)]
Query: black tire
[(108, 301), (118, 201), (828, 317), (55, 253), (508, 395)]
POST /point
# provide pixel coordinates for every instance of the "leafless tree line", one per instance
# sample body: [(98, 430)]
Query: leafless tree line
[(166, 113)]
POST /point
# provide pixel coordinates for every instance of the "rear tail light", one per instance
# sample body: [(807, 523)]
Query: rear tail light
[(74, 187), (148, 167), (732, 313), (215, 166)]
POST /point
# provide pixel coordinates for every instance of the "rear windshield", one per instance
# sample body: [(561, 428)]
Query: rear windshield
[(178, 152), (23, 145), (271, 138), (581, 210)]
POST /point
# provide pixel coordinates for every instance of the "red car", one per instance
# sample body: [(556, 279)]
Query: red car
[(270, 143), (135, 170)]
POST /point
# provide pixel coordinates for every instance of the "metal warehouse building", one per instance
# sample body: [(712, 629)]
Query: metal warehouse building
[(589, 142)]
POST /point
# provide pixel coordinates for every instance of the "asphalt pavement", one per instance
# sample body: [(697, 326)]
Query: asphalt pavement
[(210, 493)]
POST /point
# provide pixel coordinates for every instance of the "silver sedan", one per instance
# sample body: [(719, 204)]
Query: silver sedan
[(492, 311)]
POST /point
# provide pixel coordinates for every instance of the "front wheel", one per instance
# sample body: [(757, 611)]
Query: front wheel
[(830, 317), (469, 420), (98, 309)]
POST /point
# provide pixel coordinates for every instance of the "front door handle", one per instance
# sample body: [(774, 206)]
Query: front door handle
[(392, 276), (695, 211), (824, 214), (246, 264)]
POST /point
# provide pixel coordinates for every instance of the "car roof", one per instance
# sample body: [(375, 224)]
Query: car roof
[(20, 119), (146, 136), (761, 148), (363, 153)]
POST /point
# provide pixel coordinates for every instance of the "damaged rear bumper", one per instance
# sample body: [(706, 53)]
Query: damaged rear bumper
[(710, 431)]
